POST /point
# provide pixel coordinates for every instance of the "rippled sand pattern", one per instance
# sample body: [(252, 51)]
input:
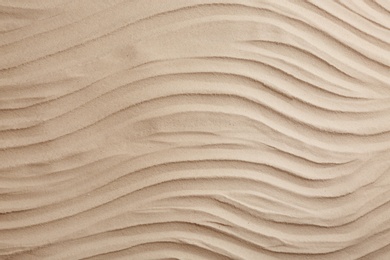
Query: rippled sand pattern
[(194, 129)]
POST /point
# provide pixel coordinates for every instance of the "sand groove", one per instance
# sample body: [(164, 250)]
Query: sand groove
[(194, 129)]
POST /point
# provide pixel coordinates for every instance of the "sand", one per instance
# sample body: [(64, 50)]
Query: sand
[(194, 129)]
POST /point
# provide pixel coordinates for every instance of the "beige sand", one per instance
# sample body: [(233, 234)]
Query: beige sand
[(194, 129)]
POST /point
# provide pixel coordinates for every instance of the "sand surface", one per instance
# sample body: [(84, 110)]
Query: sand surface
[(194, 129)]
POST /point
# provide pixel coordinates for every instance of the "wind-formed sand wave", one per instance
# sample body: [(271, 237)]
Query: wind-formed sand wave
[(194, 129)]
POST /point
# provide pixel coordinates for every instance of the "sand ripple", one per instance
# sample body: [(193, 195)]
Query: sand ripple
[(194, 129)]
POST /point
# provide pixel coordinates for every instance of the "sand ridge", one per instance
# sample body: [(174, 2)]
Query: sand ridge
[(194, 129)]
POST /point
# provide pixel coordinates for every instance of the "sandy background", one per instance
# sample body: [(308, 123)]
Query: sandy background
[(194, 129)]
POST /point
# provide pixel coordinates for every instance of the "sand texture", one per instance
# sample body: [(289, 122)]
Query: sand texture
[(195, 129)]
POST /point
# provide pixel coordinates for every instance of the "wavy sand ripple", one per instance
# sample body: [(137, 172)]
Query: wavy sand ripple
[(194, 129)]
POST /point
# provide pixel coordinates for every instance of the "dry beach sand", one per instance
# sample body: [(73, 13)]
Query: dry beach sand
[(194, 129)]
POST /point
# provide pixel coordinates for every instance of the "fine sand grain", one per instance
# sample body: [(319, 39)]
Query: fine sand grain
[(195, 129)]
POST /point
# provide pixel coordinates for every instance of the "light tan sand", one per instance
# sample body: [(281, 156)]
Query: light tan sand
[(194, 129)]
